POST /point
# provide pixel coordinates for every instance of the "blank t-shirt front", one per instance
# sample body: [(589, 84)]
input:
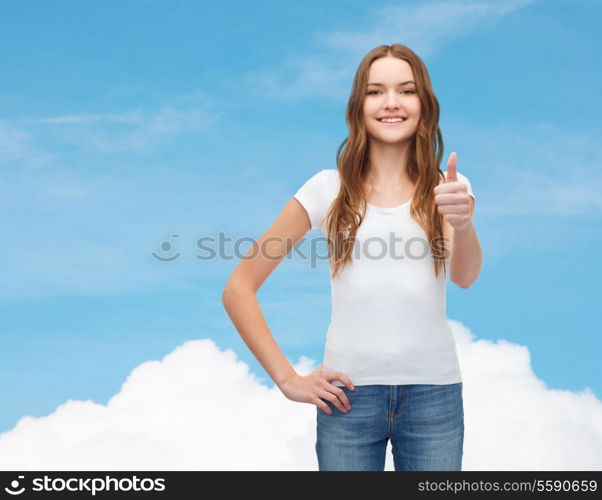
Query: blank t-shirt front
[(388, 323)]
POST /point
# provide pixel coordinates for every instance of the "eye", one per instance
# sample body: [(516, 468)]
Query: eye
[(406, 90)]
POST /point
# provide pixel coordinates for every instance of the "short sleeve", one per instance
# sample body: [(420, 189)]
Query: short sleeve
[(314, 196), (465, 180)]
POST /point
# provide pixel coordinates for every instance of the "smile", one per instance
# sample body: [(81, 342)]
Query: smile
[(392, 121)]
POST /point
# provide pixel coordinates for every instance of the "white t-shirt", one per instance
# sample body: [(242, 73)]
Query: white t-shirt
[(388, 323)]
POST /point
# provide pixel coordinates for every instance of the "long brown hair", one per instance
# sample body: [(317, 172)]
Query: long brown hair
[(424, 156)]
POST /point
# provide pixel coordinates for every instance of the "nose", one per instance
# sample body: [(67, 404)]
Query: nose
[(392, 100)]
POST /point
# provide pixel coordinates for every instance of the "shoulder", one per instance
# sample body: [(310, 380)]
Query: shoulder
[(317, 194), (327, 176), (323, 183)]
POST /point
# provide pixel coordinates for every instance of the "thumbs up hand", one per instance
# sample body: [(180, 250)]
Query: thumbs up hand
[(452, 198)]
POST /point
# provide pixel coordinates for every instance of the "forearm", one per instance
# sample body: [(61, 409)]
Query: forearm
[(243, 308), (466, 258)]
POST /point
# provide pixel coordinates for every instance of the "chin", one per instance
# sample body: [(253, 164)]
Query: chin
[(392, 140)]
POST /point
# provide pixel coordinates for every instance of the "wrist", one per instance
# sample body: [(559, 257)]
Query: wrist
[(282, 381), (465, 229)]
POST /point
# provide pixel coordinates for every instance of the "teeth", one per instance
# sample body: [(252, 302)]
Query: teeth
[(391, 120)]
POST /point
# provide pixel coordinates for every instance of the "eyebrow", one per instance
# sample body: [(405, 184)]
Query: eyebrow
[(399, 84)]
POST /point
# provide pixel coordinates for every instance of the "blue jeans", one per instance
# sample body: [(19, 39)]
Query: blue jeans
[(424, 422)]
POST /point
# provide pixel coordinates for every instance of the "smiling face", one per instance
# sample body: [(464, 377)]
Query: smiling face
[(394, 96)]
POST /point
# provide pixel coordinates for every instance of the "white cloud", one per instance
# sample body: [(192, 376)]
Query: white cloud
[(547, 172), (136, 130), (134, 117), (327, 70), (17, 145), (200, 408), (424, 26)]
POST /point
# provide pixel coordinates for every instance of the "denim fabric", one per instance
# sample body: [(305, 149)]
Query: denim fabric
[(424, 422)]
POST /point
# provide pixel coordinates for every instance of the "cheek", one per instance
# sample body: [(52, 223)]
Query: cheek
[(416, 108), (369, 115)]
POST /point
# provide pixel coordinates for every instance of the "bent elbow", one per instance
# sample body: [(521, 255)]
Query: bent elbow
[(465, 284), (226, 294), (232, 292), (460, 282)]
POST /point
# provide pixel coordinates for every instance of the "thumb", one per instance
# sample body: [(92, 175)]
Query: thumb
[(451, 168)]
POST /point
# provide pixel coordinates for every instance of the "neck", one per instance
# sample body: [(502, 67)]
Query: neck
[(388, 165)]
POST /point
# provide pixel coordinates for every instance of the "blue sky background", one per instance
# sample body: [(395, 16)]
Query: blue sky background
[(124, 123)]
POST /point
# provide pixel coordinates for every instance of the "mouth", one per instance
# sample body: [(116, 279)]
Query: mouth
[(392, 121)]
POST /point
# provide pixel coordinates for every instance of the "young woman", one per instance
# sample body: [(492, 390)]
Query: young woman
[(395, 222)]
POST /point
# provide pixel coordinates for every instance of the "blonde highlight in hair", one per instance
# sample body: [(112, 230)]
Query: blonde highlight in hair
[(347, 211)]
